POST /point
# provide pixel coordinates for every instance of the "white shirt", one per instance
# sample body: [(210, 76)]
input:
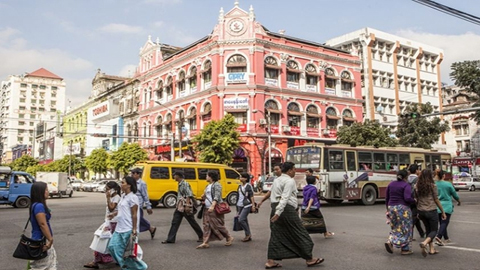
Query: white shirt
[(284, 191), (114, 199), (124, 217), (241, 197), (208, 195)]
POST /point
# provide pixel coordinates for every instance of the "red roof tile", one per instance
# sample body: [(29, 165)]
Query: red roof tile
[(43, 73)]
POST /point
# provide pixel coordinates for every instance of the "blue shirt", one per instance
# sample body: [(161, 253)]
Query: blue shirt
[(143, 194), (36, 231)]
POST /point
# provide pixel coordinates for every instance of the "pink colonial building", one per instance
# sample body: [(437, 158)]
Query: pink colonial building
[(302, 90)]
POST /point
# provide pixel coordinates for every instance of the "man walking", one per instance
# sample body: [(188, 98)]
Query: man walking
[(143, 199), (288, 238), (184, 209)]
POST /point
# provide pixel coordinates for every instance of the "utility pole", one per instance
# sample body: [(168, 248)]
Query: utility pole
[(70, 161)]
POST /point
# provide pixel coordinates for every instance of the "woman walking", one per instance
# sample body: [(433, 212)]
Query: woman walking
[(398, 199), (245, 205), (426, 195), (128, 221), (312, 217), (213, 223), (40, 216), (112, 195), (445, 193)]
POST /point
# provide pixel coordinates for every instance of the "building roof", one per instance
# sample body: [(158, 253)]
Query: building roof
[(43, 73)]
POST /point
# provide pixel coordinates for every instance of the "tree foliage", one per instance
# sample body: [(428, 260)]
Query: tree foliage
[(369, 133), (466, 75), (63, 165), (23, 163), (217, 141), (127, 155), (98, 161), (422, 131)]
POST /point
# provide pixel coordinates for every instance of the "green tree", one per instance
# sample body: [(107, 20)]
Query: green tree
[(420, 131), (127, 155), (98, 161), (217, 141), (37, 168), (369, 133), (23, 163), (466, 75), (75, 164)]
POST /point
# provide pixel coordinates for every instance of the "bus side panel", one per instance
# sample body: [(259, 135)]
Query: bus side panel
[(353, 193)]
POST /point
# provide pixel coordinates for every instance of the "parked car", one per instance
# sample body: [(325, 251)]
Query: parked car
[(90, 186), (101, 186), (77, 184), (467, 183), (267, 185)]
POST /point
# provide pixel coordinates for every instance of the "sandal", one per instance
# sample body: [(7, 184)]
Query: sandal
[(152, 234), (91, 265), (247, 238), (229, 241), (439, 241), (277, 265), (203, 246), (317, 261), (329, 235), (424, 249), (389, 247), (406, 252), (434, 252)]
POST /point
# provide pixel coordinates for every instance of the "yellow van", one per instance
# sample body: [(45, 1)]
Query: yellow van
[(162, 188)]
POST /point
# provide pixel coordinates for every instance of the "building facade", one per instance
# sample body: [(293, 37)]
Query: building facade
[(291, 90), (26, 101), (396, 72)]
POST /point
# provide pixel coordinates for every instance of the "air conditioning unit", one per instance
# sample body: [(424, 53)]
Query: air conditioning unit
[(286, 128), (263, 121)]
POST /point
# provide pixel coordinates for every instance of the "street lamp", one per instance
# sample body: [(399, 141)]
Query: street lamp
[(172, 141), (269, 136)]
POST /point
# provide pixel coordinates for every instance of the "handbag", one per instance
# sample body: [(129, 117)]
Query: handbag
[(236, 225), (131, 249), (29, 249), (221, 208), (200, 212)]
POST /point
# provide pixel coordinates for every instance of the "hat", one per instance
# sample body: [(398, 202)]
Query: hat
[(136, 170)]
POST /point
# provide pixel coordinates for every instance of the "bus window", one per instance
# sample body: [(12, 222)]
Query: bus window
[(428, 163), (404, 160), (305, 157), (379, 159), (351, 165), (335, 158), (392, 162), (436, 163), (365, 161)]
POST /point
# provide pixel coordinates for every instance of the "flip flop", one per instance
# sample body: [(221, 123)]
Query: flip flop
[(318, 261), (167, 242), (389, 247), (424, 250), (203, 246), (407, 252), (329, 235), (277, 265), (152, 234), (434, 252), (91, 265)]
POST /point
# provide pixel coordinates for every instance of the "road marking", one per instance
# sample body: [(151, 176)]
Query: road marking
[(463, 248), (464, 221)]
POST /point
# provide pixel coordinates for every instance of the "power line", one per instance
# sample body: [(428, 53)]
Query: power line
[(450, 11)]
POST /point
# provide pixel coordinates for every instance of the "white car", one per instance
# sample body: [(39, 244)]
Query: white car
[(466, 183), (101, 186), (267, 185), (77, 184)]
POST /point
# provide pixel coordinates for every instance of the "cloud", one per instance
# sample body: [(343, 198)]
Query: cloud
[(127, 71), (163, 2), (158, 24), (77, 91), (7, 33), (456, 48), (116, 28)]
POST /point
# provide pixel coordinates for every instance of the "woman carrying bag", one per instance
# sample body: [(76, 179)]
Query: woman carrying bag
[(312, 217), (245, 205), (99, 244), (128, 221), (40, 218)]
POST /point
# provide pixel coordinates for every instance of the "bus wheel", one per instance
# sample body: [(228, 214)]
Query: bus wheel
[(232, 198), (369, 195), (170, 200)]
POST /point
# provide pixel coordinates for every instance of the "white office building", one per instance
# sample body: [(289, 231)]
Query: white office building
[(26, 101), (396, 72)]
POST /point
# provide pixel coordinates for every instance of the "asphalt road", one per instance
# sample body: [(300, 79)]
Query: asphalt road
[(360, 232)]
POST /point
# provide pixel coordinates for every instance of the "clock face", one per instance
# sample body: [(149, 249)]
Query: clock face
[(236, 26)]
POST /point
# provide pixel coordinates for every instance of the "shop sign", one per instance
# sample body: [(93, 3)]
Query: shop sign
[(295, 130), (101, 110), (237, 77), (235, 103)]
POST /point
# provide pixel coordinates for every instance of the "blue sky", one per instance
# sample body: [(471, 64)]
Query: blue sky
[(74, 38)]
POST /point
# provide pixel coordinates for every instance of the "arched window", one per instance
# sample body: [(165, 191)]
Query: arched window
[(181, 120), (144, 133), (330, 81), (159, 126), (168, 123), (169, 88), (294, 115), (192, 79), (311, 78), (461, 126), (150, 94), (159, 90), (129, 133), (192, 118), (236, 63), (207, 74), (207, 112), (293, 75), (272, 70), (348, 118), (313, 117), (121, 107), (332, 118), (347, 84), (149, 129), (271, 107), (181, 84)]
